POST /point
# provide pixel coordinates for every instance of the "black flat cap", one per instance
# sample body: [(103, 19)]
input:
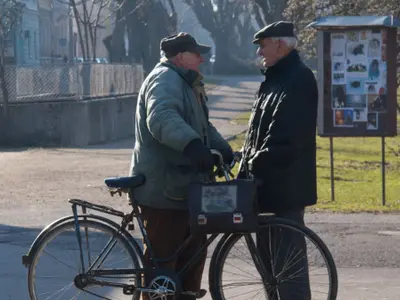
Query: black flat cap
[(276, 29), (182, 42)]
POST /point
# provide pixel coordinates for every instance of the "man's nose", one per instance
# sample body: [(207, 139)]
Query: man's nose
[(202, 58), (259, 51)]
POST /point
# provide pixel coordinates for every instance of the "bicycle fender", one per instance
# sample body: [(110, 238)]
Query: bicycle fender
[(27, 258)]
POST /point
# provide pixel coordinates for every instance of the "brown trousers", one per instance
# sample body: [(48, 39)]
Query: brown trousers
[(166, 231)]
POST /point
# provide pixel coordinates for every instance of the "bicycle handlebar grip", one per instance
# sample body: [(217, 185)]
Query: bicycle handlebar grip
[(219, 154)]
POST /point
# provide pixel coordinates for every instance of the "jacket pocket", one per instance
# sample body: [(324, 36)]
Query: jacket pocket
[(177, 180)]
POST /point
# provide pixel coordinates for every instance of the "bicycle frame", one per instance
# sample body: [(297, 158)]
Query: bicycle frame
[(126, 220)]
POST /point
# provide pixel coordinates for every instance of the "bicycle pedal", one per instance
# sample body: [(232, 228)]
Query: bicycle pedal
[(128, 290), (197, 295)]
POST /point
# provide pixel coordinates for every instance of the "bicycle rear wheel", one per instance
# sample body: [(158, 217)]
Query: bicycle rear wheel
[(58, 261), (294, 261)]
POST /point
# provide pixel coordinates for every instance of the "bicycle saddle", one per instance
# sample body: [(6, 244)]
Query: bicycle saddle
[(129, 182)]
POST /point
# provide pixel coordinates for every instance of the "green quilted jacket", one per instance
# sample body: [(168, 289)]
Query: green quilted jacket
[(170, 113)]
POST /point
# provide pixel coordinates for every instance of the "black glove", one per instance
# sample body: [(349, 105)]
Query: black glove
[(199, 155), (227, 156)]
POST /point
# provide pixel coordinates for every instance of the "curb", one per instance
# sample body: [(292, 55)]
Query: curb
[(232, 137)]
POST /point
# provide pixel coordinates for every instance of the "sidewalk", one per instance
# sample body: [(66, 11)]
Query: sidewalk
[(37, 183), (233, 97)]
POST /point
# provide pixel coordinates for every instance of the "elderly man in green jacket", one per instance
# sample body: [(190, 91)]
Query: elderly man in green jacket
[(173, 138)]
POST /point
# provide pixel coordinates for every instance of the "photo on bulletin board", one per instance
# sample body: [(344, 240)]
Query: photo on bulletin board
[(338, 78), (356, 101), (353, 36), (338, 66), (365, 35), (355, 86), (357, 68), (356, 51), (360, 115), (371, 87), (343, 117), (375, 45), (372, 121), (338, 96), (374, 72), (376, 103), (338, 46)]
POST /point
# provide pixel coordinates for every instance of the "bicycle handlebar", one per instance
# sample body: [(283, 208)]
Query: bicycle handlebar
[(221, 158), (225, 168)]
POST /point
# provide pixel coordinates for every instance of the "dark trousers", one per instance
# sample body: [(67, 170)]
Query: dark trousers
[(167, 231), (284, 255)]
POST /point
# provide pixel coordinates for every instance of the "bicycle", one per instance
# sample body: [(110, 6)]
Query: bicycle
[(156, 282)]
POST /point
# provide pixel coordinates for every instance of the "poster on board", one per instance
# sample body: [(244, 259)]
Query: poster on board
[(358, 78)]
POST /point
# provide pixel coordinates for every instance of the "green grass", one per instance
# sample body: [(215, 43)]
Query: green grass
[(242, 119), (357, 173)]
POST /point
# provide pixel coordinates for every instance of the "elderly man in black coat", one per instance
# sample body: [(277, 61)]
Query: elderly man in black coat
[(280, 147)]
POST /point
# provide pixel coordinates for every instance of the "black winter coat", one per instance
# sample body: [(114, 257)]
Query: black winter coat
[(281, 140)]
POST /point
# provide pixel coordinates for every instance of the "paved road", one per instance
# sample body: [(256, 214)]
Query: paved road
[(35, 184)]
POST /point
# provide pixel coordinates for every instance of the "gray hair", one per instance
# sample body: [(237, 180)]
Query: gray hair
[(291, 42)]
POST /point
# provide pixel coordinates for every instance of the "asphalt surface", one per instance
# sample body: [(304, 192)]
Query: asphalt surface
[(36, 183)]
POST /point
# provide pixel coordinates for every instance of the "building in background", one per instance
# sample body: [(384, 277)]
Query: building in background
[(60, 49), (45, 30), (27, 35)]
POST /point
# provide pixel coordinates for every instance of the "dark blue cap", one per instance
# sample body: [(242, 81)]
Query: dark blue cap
[(276, 29)]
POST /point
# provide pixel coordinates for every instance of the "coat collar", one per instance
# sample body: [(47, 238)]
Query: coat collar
[(284, 64), (190, 76)]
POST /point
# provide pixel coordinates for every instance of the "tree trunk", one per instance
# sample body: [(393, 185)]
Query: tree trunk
[(272, 10), (94, 43), (86, 26), (115, 42), (223, 61), (3, 83), (79, 28), (258, 17)]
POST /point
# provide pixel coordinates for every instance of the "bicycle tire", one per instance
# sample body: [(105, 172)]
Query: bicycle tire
[(224, 246), (53, 232)]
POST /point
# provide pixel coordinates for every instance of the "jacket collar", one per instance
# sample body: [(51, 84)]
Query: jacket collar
[(190, 76), (283, 64)]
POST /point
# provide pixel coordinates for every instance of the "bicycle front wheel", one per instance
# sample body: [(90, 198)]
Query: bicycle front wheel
[(59, 260), (282, 261)]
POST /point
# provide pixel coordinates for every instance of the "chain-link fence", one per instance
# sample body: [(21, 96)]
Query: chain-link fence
[(66, 82)]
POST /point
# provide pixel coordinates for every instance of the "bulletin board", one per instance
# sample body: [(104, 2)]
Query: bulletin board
[(358, 88)]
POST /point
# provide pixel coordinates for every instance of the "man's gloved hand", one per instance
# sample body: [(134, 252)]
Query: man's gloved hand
[(227, 154), (199, 155)]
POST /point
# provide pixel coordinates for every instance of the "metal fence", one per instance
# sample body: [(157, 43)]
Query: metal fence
[(67, 82)]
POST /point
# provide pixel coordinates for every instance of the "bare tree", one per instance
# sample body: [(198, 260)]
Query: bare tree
[(10, 16), (269, 11), (142, 23), (223, 19), (90, 16)]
